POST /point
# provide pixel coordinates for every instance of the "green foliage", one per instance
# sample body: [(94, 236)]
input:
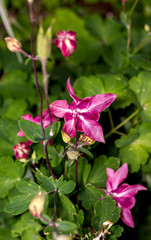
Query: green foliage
[(33, 131), (20, 203), (109, 59), (9, 177)]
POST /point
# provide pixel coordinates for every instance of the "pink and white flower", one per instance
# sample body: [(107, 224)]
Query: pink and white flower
[(21, 150), (123, 194), (82, 115), (67, 42)]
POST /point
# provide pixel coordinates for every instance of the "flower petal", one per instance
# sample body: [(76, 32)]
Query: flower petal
[(59, 108), (110, 174), (69, 128), (125, 202), (71, 92), (120, 175), (93, 130), (126, 217), (127, 190), (100, 102)]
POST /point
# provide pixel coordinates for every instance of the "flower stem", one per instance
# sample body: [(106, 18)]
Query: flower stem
[(76, 163), (133, 7), (47, 159), (34, 64), (28, 55), (114, 130)]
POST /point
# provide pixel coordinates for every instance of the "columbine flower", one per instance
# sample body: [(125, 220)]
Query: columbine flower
[(123, 194), (13, 44), (45, 117), (21, 150), (67, 42), (82, 115)]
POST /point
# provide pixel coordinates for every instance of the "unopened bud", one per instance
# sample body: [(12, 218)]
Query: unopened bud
[(65, 137), (37, 204), (147, 27), (44, 42), (13, 44), (33, 156), (86, 140), (61, 237), (73, 154), (30, 1)]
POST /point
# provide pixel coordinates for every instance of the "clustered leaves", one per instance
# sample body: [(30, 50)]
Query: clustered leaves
[(62, 168)]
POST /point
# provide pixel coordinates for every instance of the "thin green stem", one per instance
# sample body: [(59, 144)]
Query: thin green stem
[(133, 7), (110, 118), (141, 44), (114, 130)]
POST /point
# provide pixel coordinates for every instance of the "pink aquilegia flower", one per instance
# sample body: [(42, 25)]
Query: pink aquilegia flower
[(21, 150), (67, 42), (82, 115), (46, 121), (123, 194)]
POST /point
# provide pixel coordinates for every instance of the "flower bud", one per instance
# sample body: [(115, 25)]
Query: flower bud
[(147, 27), (44, 42), (64, 237), (73, 154), (21, 151), (65, 137), (37, 204), (86, 140), (67, 42), (13, 44), (123, 2)]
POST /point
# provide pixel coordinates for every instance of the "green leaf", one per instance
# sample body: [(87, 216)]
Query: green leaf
[(89, 196), (16, 109), (20, 203), (106, 210), (116, 232), (67, 227), (98, 175), (105, 83), (54, 154), (86, 151), (5, 233), (142, 88), (33, 131), (66, 209), (15, 85), (8, 132), (83, 171), (26, 226), (51, 184), (136, 146), (11, 173)]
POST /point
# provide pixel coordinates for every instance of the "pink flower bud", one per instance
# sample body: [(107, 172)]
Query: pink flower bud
[(13, 44), (67, 42), (21, 150), (37, 204), (123, 2)]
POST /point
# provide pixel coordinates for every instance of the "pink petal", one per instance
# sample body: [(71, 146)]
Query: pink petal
[(100, 102), (127, 190), (110, 174), (126, 217), (28, 117), (20, 133), (71, 92), (120, 176), (93, 130), (69, 128), (59, 108), (125, 202)]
